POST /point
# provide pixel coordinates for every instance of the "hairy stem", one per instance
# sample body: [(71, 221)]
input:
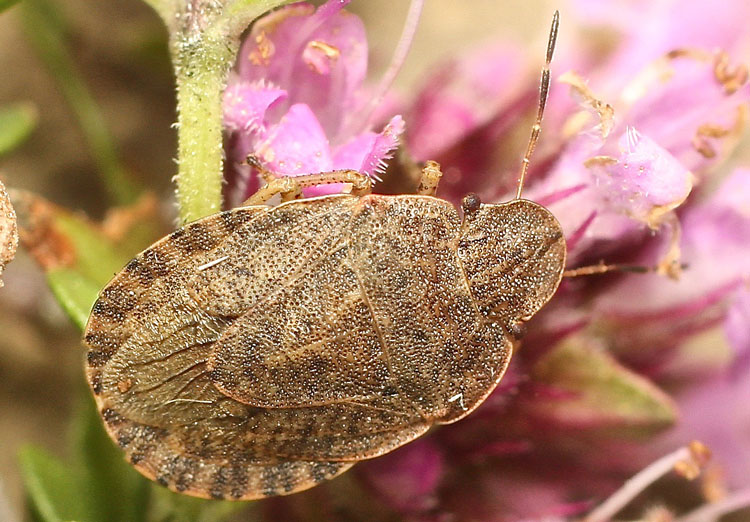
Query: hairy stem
[(201, 75), (204, 47)]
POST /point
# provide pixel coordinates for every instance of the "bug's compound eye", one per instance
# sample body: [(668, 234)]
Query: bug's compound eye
[(517, 330), (471, 203)]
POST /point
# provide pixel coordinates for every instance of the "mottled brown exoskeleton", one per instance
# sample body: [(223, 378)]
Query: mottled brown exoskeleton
[(263, 350)]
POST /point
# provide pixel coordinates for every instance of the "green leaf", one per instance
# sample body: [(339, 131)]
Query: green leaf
[(80, 256), (16, 123), (96, 256), (595, 391), (238, 14), (168, 505), (114, 490), (5, 4), (164, 8), (53, 488), (99, 485), (75, 292)]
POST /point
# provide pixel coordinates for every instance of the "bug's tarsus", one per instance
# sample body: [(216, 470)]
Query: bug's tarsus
[(255, 163), (543, 91)]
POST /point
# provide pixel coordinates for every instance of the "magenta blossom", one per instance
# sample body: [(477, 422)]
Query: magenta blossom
[(616, 370), (631, 164), (295, 97)]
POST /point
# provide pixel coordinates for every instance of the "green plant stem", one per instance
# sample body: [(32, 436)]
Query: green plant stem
[(201, 72), (202, 61)]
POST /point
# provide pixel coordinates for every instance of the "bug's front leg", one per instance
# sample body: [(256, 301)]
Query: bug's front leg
[(291, 187), (430, 178)]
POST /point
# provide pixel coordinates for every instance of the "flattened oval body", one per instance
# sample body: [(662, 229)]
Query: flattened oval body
[(261, 351)]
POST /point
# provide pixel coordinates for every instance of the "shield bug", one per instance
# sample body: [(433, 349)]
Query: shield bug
[(263, 350)]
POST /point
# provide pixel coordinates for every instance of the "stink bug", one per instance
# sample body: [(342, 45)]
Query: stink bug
[(262, 350)]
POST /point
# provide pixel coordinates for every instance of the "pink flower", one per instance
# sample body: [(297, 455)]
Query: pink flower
[(615, 368), (295, 96), (631, 165), (408, 479)]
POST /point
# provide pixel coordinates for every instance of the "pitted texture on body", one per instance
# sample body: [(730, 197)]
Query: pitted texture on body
[(260, 351)]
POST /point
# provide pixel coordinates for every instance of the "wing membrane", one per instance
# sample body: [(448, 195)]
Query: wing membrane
[(156, 325)]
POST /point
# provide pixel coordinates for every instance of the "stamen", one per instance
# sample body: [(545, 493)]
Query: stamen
[(692, 457), (714, 511), (399, 56)]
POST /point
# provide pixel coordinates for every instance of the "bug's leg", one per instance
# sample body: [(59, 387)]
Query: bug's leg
[(287, 187), (428, 181), (254, 162), (290, 187), (287, 191), (669, 265), (671, 270)]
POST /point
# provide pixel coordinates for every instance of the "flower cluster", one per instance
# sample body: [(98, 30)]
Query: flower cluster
[(634, 162), (296, 100)]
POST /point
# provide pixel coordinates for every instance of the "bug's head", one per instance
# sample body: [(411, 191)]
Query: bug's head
[(513, 255)]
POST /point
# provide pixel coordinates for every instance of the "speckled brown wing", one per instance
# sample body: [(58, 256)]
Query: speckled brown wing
[(314, 349), (364, 324), (380, 323), (152, 328), (444, 355), (216, 472), (149, 342), (271, 254)]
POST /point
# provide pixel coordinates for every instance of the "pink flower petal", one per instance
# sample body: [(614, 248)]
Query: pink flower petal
[(368, 152), (320, 58), (245, 104), (646, 181), (715, 245), (296, 145), (691, 114), (651, 29), (737, 324), (407, 479)]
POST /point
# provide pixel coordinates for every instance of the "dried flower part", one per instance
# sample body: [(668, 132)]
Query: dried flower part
[(58, 238), (8, 230), (590, 102), (122, 221), (40, 233)]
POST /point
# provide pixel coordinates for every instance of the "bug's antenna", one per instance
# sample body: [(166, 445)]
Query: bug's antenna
[(543, 91)]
